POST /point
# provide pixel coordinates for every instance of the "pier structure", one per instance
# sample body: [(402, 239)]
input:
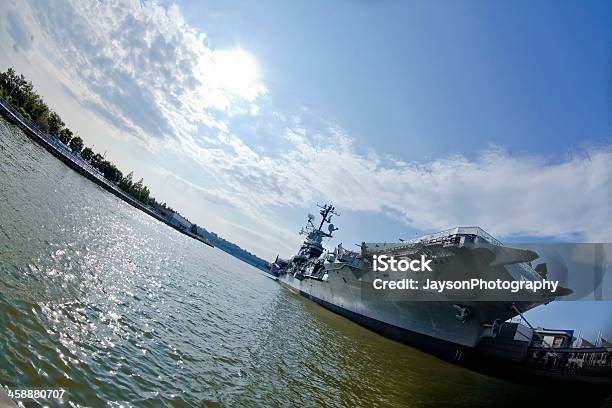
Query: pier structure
[(550, 354)]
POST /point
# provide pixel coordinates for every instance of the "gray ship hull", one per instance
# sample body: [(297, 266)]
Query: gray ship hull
[(429, 325)]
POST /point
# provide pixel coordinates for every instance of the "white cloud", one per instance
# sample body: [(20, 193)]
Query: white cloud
[(505, 194), (142, 67)]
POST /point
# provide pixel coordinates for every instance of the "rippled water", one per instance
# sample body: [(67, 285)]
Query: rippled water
[(102, 300)]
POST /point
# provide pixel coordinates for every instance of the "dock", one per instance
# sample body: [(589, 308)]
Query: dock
[(546, 356)]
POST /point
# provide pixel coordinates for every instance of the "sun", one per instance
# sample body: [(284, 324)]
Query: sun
[(237, 72)]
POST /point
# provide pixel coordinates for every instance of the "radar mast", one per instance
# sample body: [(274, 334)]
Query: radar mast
[(327, 212)]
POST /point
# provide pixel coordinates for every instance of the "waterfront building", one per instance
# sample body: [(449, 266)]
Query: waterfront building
[(174, 218), (552, 338), (179, 221)]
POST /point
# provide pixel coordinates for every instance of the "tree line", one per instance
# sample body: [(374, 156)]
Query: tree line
[(20, 94)]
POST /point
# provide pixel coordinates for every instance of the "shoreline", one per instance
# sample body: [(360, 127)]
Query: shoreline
[(10, 116)]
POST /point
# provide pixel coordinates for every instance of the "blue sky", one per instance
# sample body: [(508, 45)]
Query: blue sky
[(411, 117), (432, 79)]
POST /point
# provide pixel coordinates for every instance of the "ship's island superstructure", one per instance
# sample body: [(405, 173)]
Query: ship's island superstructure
[(436, 322)]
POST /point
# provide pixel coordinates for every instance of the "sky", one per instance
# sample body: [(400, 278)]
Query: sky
[(411, 117)]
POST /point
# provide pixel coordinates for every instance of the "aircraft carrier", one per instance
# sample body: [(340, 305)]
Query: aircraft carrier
[(449, 325)]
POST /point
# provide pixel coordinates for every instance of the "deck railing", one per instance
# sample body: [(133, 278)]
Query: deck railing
[(456, 231)]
